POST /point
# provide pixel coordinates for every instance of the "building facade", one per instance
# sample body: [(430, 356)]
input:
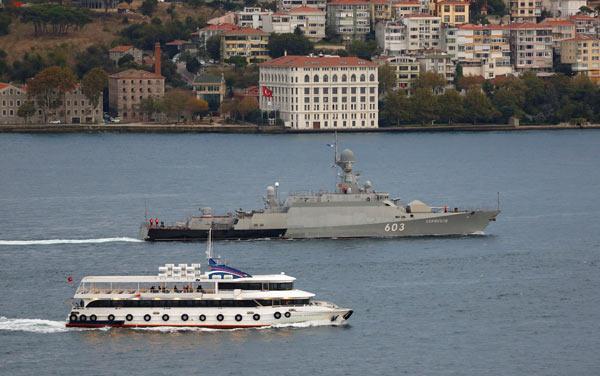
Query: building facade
[(525, 10), (252, 44), (452, 12), (406, 67), (405, 8), (321, 92), (438, 62), (310, 20), (285, 5), (127, 89), (561, 30), (118, 52), (483, 50), (75, 108), (415, 32), (583, 54), (565, 8), (531, 46), (201, 36), (251, 17), (211, 88), (351, 19)]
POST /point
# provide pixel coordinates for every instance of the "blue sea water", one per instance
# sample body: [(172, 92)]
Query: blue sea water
[(522, 299)]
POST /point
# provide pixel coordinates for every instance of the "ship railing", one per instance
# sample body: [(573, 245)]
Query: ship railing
[(99, 291), (321, 303)]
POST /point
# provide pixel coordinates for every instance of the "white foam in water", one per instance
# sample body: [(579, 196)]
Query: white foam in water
[(69, 241), (171, 329), (32, 325)]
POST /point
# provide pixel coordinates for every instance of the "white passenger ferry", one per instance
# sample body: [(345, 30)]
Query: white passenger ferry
[(182, 296)]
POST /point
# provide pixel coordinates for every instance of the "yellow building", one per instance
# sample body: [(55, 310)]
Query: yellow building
[(452, 12), (583, 54), (381, 10), (246, 42), (525, 10)]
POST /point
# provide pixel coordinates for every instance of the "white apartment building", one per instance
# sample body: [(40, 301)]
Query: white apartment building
[(483, 50), (565, 8), (251, 17), (585, 24), (408, 34), (438, 62), (285, 5), (406, 68), (351, 19), (406, 7), (321, 92), (531, 45), (310, 20)]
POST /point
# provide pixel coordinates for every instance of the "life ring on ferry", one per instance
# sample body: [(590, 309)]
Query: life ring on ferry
[(147, 317), (368, 199), (83, 318), (129, 317), (220, 317), (202, 318), (111, 317), (73, 317), (184, 317), (93, 318), (165, 317), (277, 315), (287, 315), (238, 317), (256, 317)]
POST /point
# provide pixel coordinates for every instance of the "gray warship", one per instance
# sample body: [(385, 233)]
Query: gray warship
[(351, 211)]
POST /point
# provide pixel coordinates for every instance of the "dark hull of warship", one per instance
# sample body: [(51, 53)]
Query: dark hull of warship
[(183, 234)]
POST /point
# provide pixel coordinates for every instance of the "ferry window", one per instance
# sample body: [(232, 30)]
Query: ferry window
[(241, 286), (280, 286)]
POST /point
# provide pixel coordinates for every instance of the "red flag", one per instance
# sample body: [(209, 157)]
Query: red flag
[(266, 92), (69, 279)]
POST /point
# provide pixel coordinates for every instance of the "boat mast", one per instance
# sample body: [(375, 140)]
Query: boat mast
[(209, 244)]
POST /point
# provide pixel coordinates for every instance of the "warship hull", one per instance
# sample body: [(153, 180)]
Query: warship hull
[(187, 234), (449, 224)]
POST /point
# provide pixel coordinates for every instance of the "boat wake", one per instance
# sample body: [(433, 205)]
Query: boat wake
[(69, 241), (48, 326), (32, 325)]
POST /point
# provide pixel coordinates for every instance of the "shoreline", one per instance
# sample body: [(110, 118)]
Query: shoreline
[(255, 129)]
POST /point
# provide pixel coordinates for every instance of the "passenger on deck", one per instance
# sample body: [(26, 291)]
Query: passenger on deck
[(199, 289), (175, 289), (152, 289)]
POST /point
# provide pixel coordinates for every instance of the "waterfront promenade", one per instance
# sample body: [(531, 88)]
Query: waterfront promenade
[(249, 128)]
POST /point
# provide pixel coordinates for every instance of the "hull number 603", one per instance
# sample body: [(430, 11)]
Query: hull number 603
[(394, 227)]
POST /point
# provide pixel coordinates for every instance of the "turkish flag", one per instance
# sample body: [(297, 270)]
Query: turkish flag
[(266, 92), (69, 279)]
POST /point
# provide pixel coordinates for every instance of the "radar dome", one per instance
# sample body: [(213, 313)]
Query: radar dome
[(270, 191), (347, 156), (368, 184)]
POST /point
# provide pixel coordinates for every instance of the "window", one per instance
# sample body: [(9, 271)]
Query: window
[(334, 78), (344, 78), (325, 78), (306, 78), (316, 78)]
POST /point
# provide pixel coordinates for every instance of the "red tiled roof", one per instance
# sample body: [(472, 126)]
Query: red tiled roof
[(529, 25), (136, 74), (306, 10), (221, 27), (176, 42), (121, 48), (317, 61), (580, 37), (581, 17), (416, 15), (409, 2), (245, 31), (483, 27), (348, 2), (557, 22)]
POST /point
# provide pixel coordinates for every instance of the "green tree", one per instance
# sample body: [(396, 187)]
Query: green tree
[(387, 78), (294, 44), (26, 110), (478, 107), (196, 107), (362, 49), (237, 61), (5, 21), (174, 103), (213, 47), (55, 19), (192, 65), (396, 107), (431, 81), (92, 57), (49, 87), (93, 84), (450, 106), (423, 106), (148, 7)]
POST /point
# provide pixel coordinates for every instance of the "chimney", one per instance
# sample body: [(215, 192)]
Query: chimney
[(157, 69)]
